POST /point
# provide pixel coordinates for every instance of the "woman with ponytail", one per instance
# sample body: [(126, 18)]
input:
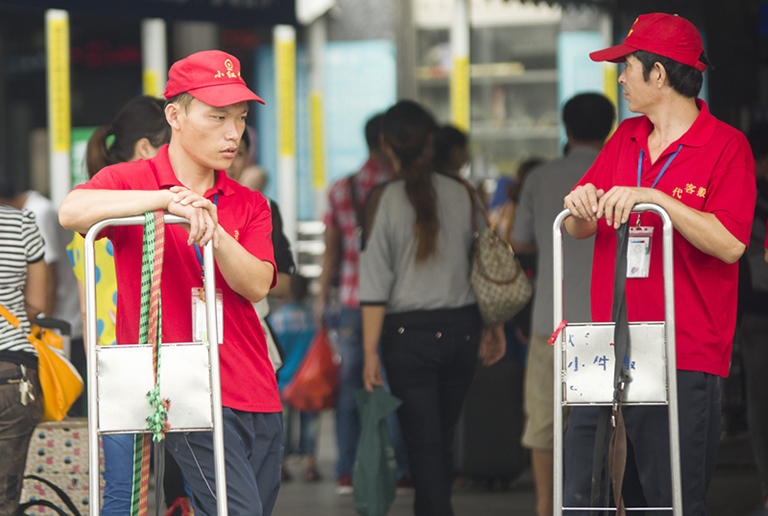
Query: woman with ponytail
[(138, 132), (416, 297)]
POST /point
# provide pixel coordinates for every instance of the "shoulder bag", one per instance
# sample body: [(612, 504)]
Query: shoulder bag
[(59, 380), (501, 287)]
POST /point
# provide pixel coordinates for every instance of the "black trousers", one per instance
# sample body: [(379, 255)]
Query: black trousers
[(430, 358), (647, 481)]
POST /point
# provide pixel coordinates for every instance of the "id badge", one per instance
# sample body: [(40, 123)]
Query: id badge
[(639, 251), (199, 320)]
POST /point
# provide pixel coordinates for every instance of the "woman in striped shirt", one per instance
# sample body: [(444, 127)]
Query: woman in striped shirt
[(22, 296)]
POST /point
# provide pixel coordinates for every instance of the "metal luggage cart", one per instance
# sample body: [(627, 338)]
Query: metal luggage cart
[(120, 376), (654, 379)]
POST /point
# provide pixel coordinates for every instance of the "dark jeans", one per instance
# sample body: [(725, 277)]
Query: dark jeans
[(16, 426), (648, 473), (752, 340), (253, 449), (430, 358)]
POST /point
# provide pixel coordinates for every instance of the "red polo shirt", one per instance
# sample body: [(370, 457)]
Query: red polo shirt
[(713, 173), (247, 379)]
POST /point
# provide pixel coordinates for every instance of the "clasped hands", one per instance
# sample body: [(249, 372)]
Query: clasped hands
[(201, 213), (591, 204)]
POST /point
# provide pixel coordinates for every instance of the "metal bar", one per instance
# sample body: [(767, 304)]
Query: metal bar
[(91, 340), (671, 359), (557, 278), (213, 346)]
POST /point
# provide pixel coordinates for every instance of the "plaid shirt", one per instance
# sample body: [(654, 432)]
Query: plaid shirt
[(341, 215)]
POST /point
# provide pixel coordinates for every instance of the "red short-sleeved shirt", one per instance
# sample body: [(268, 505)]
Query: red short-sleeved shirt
[(247, 379), (713, 173)]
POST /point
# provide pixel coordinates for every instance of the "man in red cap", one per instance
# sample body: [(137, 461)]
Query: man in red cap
[(206, 107), (701, 172)]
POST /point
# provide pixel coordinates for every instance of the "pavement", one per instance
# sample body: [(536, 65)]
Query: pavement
[(735, 489)]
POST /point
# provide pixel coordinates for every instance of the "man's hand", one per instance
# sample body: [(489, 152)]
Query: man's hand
[(493, 345), (617, 203), (200, 212), (583, 202)]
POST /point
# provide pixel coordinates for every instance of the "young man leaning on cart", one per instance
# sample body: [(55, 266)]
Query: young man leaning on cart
[(207, 102), (701, 172)]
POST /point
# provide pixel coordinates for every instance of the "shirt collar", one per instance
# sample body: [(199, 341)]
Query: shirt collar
[(166, 178), (698, 135)]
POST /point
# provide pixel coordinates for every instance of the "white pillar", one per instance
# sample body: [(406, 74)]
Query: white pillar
[(285, 91), (59, 103), (154, 56), (460, 81), (318, 35)]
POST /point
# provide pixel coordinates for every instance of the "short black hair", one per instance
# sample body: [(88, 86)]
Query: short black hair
[(8, 188), (589, 116), (684, 79), (183, 99), (446, 138), (373, 132)]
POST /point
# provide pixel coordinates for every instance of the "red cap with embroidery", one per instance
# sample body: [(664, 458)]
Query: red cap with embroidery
[(664, 34), (212, 77)]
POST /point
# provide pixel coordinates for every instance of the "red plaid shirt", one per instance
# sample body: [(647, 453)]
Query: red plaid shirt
[(341, 215)]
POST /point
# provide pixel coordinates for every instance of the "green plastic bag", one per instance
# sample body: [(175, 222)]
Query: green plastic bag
[(374, 476)]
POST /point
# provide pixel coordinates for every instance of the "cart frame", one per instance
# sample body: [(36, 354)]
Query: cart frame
[(92, 361), (671, 363)]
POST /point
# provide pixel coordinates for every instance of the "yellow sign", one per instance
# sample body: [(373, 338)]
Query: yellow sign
[(460, 93), (57, 33), (318, 139), (149, 83), (285, 77)]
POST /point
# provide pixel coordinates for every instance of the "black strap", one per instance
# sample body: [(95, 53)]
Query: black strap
[(56, 489), (37, 503), (610, 446)]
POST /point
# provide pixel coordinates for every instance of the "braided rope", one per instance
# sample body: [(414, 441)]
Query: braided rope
[(149, 333)]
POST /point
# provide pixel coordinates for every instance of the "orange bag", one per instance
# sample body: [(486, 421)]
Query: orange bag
[(314, 385)]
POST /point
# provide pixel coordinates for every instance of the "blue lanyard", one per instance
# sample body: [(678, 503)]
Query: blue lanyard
[(664, 169), (199, 251)]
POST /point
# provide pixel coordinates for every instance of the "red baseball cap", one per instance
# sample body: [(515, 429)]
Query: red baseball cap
[(664, 34), (212, 77)]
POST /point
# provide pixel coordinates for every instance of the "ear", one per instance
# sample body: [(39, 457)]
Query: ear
[(172, 114), (659, 74), (144, 150)]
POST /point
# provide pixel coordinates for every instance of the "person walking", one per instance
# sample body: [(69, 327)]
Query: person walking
[(588, 119), (346, 202), (22, 298), (206, 106), (416, 297), (701, 171)]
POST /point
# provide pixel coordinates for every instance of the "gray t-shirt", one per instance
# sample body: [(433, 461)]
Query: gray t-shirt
[(540, 202), (389, 274)]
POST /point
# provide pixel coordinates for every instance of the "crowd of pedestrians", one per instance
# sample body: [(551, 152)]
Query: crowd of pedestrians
[(394, 293)]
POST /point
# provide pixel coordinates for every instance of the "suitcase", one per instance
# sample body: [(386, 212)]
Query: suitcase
[(58, 452), (487, 444)]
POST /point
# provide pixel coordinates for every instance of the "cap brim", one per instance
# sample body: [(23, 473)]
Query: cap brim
[(613, 54), (222, 95)]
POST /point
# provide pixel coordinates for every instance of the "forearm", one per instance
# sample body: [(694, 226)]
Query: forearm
[(50, 289), (330, 264), (524, 247), (703, 230), (81, 209), (580, 228), (246, 274), (373, 321)]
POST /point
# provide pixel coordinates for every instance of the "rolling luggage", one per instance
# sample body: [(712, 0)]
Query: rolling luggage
[(487, 445)]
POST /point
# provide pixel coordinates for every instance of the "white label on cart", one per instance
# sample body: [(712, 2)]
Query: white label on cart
[(199, 319)]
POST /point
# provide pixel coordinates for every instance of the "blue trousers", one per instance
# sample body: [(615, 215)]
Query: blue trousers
[(253, 449), (648, 477)]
